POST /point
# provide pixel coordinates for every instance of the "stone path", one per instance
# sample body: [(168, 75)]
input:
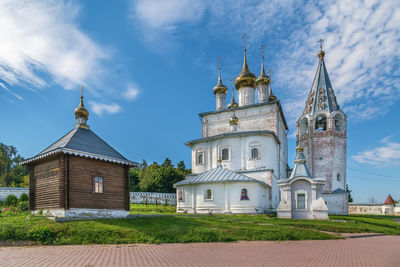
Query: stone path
[(368, 251)]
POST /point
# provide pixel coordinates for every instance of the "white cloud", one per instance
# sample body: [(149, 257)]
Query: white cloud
[(361, 44), (42, 37), (131, 92), (100, 108), (161, 14), (11, 92), (388, 153)]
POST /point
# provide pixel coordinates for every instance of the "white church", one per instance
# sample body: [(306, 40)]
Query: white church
[(240, 163)]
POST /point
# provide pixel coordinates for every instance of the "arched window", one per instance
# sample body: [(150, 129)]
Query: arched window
[(254, 153), (243, 194), (98, 184), (225, 154), (338, 123), (320, 123), (208, 195), (304, 126), (338, 177), (180, 195), (199, 156)]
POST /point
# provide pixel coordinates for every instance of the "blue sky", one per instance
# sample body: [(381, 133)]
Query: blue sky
[(149, 66)]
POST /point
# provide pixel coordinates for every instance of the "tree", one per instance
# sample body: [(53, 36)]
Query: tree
[(372, 200), (134, 179), (348, 190), (11, 173), (160, 178), (167, 163)]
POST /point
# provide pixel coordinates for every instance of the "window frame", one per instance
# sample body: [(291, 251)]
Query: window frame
[(323, 118), (246, 196), (301, 192), (206, 195), (227, 154), (181, 196), (97, 181), (199, 152), (251, 153)]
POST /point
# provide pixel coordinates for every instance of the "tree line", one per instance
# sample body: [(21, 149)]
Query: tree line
[(11, 173), (156, 177)]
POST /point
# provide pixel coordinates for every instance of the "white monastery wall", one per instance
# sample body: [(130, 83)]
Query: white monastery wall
[(16, 191), (152, 198), (373, 209)]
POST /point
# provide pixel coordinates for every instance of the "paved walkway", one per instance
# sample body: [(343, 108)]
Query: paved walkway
[(367, 251)]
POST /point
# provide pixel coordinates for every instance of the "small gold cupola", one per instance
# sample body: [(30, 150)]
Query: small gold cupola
[(245, 78), (233, 120), (263, 78), (81, 114), (220, 87), (233, 103), (271, 96)]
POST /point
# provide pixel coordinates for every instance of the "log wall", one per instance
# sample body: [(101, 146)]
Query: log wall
[(81, 184), (45, 185)]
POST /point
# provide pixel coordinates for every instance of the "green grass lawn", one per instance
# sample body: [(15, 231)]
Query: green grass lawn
[(183, 228)]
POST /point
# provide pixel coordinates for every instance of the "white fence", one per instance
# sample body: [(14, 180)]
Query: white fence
[(16, 191), (153, 198), (135, 197)]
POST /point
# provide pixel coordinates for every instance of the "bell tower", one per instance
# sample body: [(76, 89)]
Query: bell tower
[(322, 131)]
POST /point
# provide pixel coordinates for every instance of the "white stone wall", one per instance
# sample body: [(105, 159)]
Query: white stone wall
[(220, 101), (84, 213), (256, 118), (373, 209), (262, 93), (226, 198), (240, 153), (16, 191), (152, 198), (337, 203)]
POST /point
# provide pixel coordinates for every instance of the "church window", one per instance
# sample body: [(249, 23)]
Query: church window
[(301, 201), (243, 194), (180, 195), (225, 154), (208, 195), (320, 123), (338, 123), (200, 157), (304, 126), (338, 177), (98, 184), (254, 153)]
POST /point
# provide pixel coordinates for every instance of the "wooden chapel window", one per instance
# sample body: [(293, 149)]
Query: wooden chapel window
[(98, 184)]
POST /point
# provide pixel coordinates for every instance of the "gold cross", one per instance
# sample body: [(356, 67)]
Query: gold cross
[(244, 37), (270, 72), (81, 91), (262, 47), (320, 43), (219, 62)]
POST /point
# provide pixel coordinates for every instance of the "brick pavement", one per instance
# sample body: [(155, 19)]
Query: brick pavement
[(370, 251)]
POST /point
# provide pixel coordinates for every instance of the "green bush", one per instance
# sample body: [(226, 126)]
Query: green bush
[(43, 234), (10, 201), (23, 197), (23, 206)]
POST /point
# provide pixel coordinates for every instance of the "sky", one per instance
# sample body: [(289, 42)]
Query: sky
[(149, 66)]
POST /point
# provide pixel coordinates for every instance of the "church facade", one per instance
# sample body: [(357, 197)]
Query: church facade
[(240, 163), (242, 153)]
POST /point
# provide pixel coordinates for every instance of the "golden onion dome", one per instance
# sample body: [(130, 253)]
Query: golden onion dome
[(234, 120), (245, 77), (220, 87), (233, 103), (263, 78), (81, 111)]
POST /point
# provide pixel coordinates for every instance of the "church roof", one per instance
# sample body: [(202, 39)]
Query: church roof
[(233, 134), (389, 200), (218, 175), (340, 191), (321, 96), (83, 142)]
